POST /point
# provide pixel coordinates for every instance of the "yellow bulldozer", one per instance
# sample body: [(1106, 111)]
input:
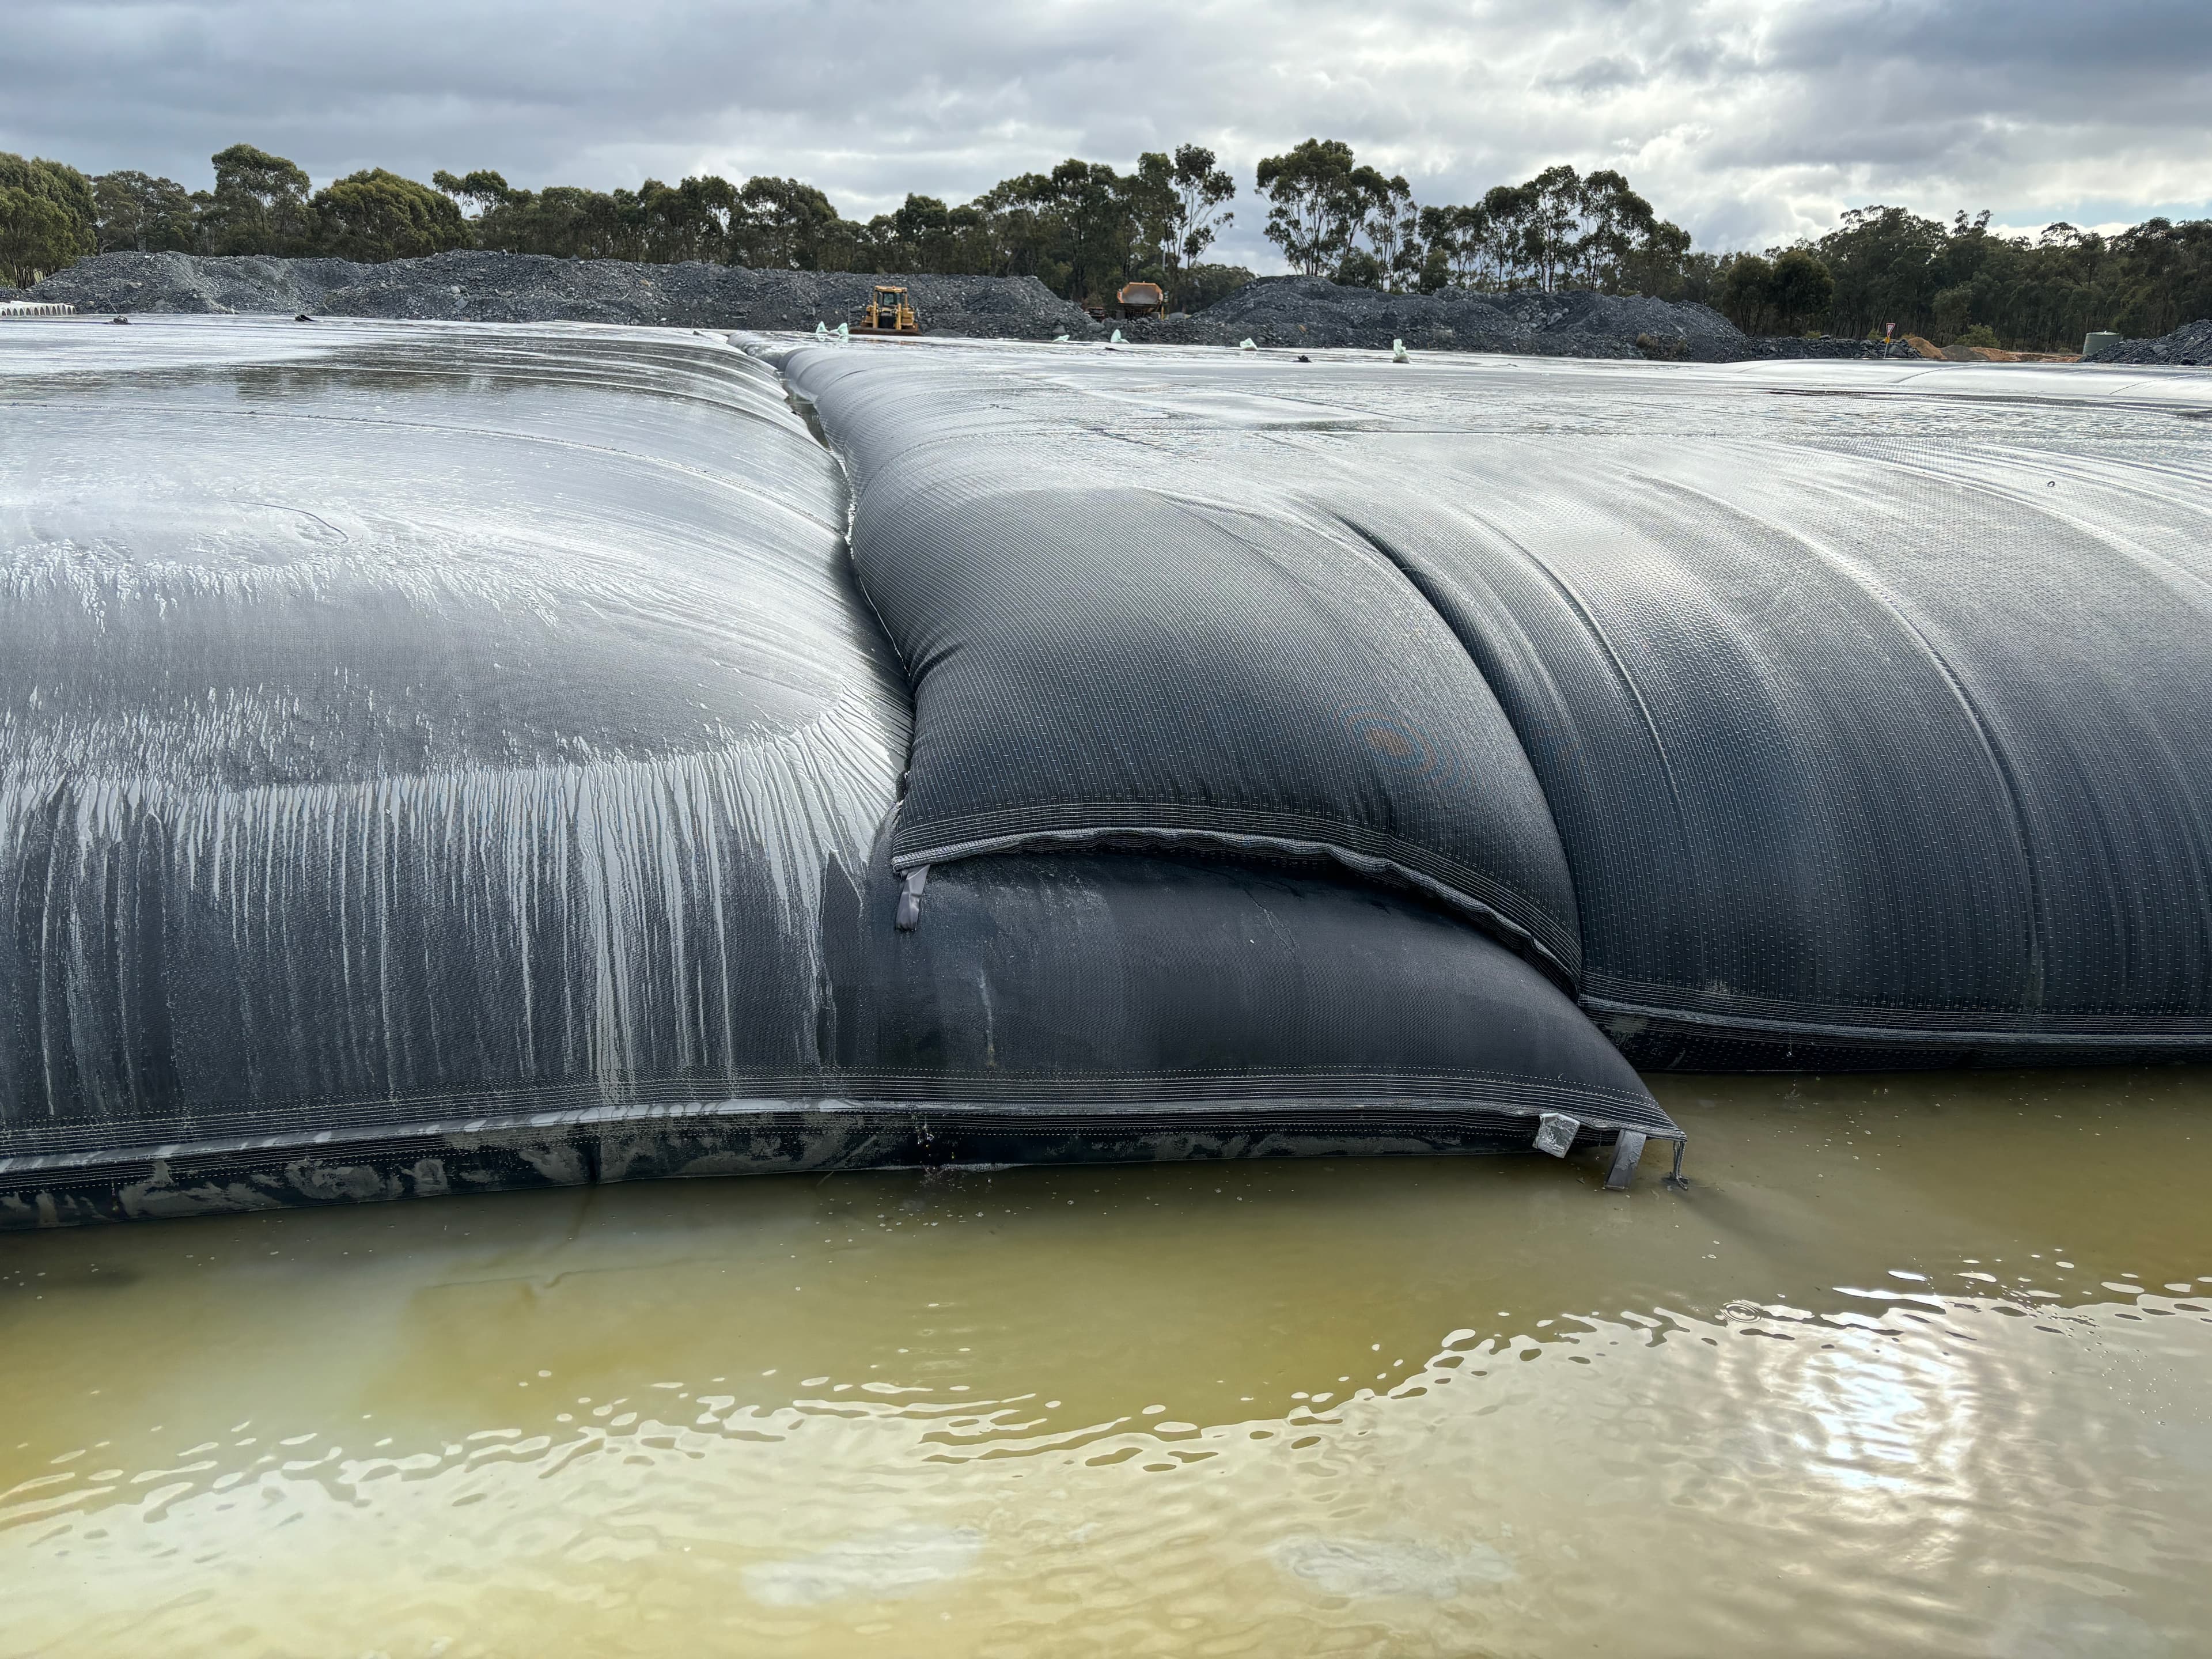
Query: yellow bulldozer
[(888, 313)]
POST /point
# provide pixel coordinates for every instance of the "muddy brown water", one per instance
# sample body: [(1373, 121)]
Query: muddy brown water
[(1915, 1366)]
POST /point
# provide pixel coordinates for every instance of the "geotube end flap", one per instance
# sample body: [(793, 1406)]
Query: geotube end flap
[(909, 903)]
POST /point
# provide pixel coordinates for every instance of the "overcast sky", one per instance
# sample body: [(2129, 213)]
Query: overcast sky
[(1750, 122)]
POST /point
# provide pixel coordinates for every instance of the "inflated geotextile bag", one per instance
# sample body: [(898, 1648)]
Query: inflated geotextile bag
[(1112, 653), (1867, 728), (439, 758)]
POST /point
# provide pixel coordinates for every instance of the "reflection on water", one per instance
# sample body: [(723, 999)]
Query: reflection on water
[(1916, 1365)]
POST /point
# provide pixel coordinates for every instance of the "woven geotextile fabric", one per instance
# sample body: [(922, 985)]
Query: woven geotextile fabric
[(1143, 655), (1870, 710)]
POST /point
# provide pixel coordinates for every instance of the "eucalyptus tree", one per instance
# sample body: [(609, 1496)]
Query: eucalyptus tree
[(1186, 194), (1391, 223), (136, 213), (373, 216), (1313, 206), (46, 217), (259, 205), (38, 236), (782, 224)]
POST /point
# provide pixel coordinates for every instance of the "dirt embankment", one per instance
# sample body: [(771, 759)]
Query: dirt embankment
[(1278, 311), (1914, 345)]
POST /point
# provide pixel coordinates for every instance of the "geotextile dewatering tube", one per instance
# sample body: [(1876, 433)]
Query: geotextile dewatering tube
[(441, 759)]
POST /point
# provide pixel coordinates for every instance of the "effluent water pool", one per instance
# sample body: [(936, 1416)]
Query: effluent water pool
[(1915, 1365)]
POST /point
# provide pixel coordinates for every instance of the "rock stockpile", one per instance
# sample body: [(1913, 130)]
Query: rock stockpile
[(2189, 346), (1276, 312), (1312, 311), (524, 287)]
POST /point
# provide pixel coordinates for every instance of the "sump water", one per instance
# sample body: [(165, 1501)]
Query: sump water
[(1916, 1365)]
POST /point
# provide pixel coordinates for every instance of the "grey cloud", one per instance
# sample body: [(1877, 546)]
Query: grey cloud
[(1599, 74), (1697, 62), (2034, 70), (2057, 47)]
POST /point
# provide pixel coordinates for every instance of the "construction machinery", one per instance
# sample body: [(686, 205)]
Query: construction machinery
[(888, 313), (1141, 300)]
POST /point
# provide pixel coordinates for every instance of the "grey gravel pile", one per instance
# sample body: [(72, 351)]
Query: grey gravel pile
[(1289, 312), (1312, 311), (520, 288), (2189, 346)]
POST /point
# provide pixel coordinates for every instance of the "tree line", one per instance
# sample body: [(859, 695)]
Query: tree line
[(1332, 217), (1961, 284), (1085, 228)]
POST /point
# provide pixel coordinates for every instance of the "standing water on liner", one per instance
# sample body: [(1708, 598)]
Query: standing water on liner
[(1914, 1365)]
